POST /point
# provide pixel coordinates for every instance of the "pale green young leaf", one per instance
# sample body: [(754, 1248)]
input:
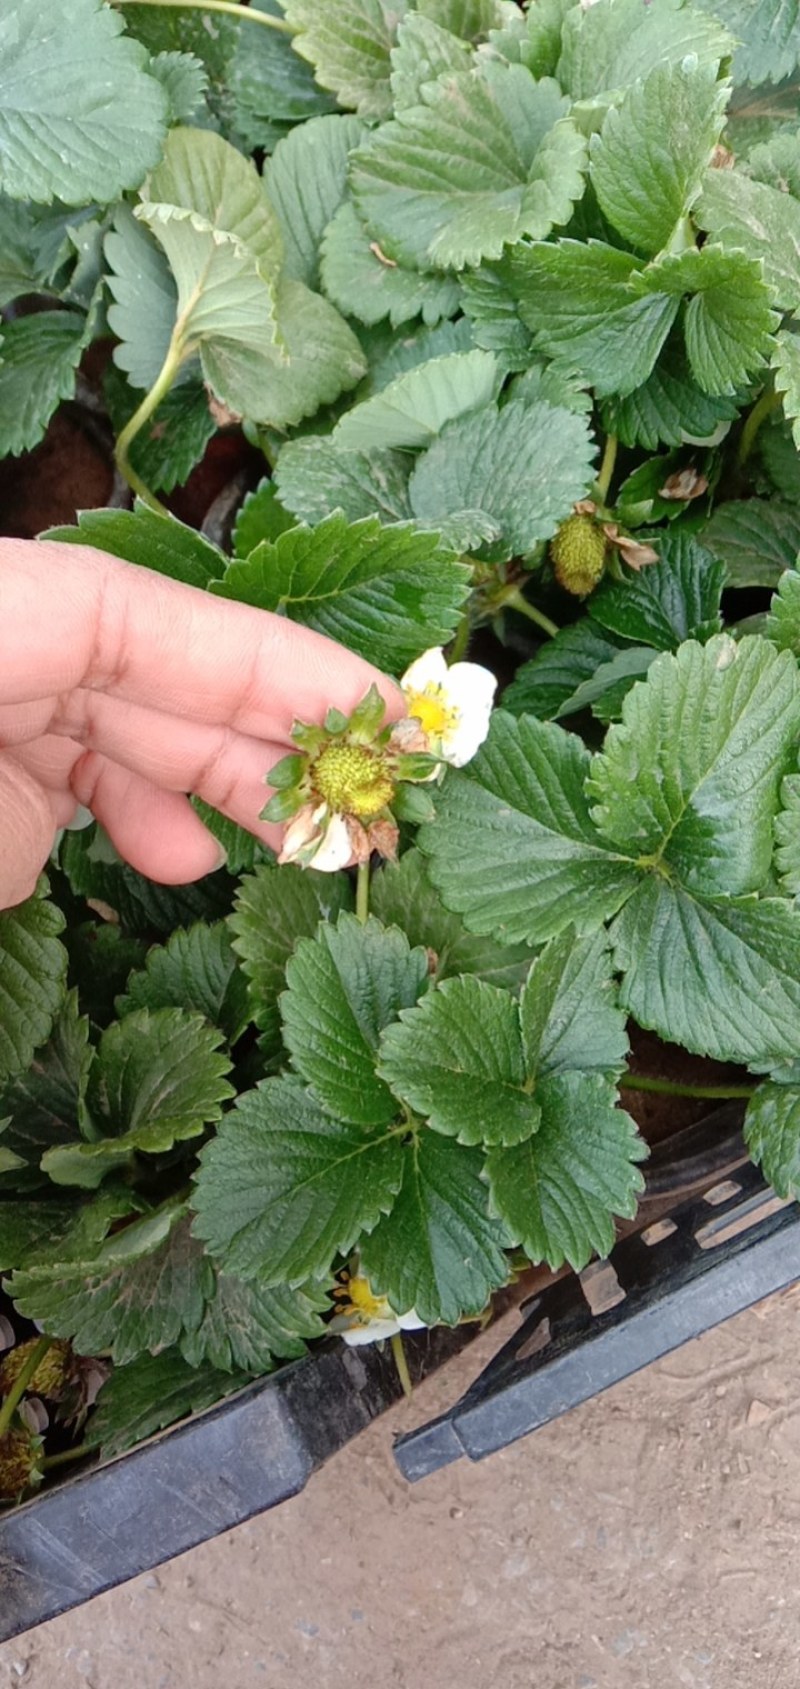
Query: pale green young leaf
[(690, 777), (780, 459), (153, 541), (413, 409), (728, 322), (772, 1135), (786, 364), (184, 80), (260, 516), (675, 599), (759, 221), (348, 42), (402, 895), (543, 686), (343, 987), (196, 970), (269, 82), (618, 42), (541, 50), (319, 358), (80, 118), (424, 50), (151, 1393), (246, 1326), (558, 1193), (523, 466), (365, 284), (387, 593), (777, 162), (721, 976), (756, 539), (569, 1014), (513, 848), (438, 1251), (391, 355), (471, 20), (207, 208), (33, 966), (787, 836), (139, 1290), (43, 1100), (283, 1188), (583, 304), (306, 181), (457, 1059), (39, 356), (783, 622), (649, 160), (275, 907), (669, 409), (489, 157), (314, 479), (145, 298), (767, 33)]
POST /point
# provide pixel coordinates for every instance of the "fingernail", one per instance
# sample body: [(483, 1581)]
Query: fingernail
[(222, 859)]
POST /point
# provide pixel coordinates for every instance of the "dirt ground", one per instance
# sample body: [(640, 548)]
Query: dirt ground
[(649, 1539)]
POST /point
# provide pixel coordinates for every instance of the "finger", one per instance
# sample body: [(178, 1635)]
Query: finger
[(157, 832), (26, 838), (136, 635), (225, 768)]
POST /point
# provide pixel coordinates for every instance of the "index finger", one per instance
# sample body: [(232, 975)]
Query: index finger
[(74, 617)]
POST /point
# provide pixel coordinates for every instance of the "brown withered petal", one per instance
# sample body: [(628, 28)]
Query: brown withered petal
[(722, 158), (383, 836), (584, 507), (407, 737), (684, 484), (359, 839), (223, 416), (633, 552)]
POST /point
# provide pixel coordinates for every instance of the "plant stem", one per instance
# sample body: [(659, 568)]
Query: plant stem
[(149, 404), (362, 892), (228, 7), (20, 1384), (460, 644), (767, 402), (516, 601), (66, 1456), (670, 1088), (402, 1364), (606, 468)]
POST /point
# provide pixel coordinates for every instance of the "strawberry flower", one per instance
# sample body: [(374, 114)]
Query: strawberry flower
[(363, 1317), (452, 705)]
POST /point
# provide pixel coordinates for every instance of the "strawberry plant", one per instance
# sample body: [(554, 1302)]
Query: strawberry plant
[(506, 299)]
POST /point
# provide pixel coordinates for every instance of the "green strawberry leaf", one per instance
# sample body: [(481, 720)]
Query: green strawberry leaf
[(438, 1251), (175, 439), (343, 987), (569, 1014), (142, 906), (275, 907), (414, 408), (783, 622), (425, 49), (306, 181), (786, 364), (261, 516), (728, 322), (247, 1327), (151, 1393), (315, 478), (402, 895), (457, 1059), (145, 299), (39, 356), (44, 1100), (196, 970), (767, 36), (548, 684), (319, 359), (364, 283), (348, 42), (488, 157), (269, 82), (153, 541), (558, 1192), (33, 966), (283, 1188), (669, 408), (387, 593), (610, 46), (772, 1135), (513, 848), (675, 599), (756, 539), (759, 221)]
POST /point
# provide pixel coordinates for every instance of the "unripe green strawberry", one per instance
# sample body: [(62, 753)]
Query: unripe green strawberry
[(55, 1371), (578, 554), (19, 1462)]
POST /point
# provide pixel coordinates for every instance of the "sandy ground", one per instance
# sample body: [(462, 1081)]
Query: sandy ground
[(649, 1539)]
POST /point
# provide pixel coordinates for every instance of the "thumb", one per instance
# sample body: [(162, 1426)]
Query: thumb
[(27, 829)]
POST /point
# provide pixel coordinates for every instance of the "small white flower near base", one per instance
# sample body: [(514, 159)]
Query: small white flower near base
[(452, 705), (317, 839), (366, 1318)]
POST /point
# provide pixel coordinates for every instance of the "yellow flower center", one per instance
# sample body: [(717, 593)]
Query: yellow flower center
[(431, 710), (353, 780), (362, 1304)]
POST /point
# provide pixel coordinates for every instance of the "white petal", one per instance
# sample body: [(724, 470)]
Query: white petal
[(470, 686), (429, 670), (335, 849), (299, 832), (411, 1321), (374, 1332)]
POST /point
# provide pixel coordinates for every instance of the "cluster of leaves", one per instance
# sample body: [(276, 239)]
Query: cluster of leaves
[(433, 256)]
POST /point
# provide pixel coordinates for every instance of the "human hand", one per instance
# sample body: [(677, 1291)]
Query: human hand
[(123, 691)]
